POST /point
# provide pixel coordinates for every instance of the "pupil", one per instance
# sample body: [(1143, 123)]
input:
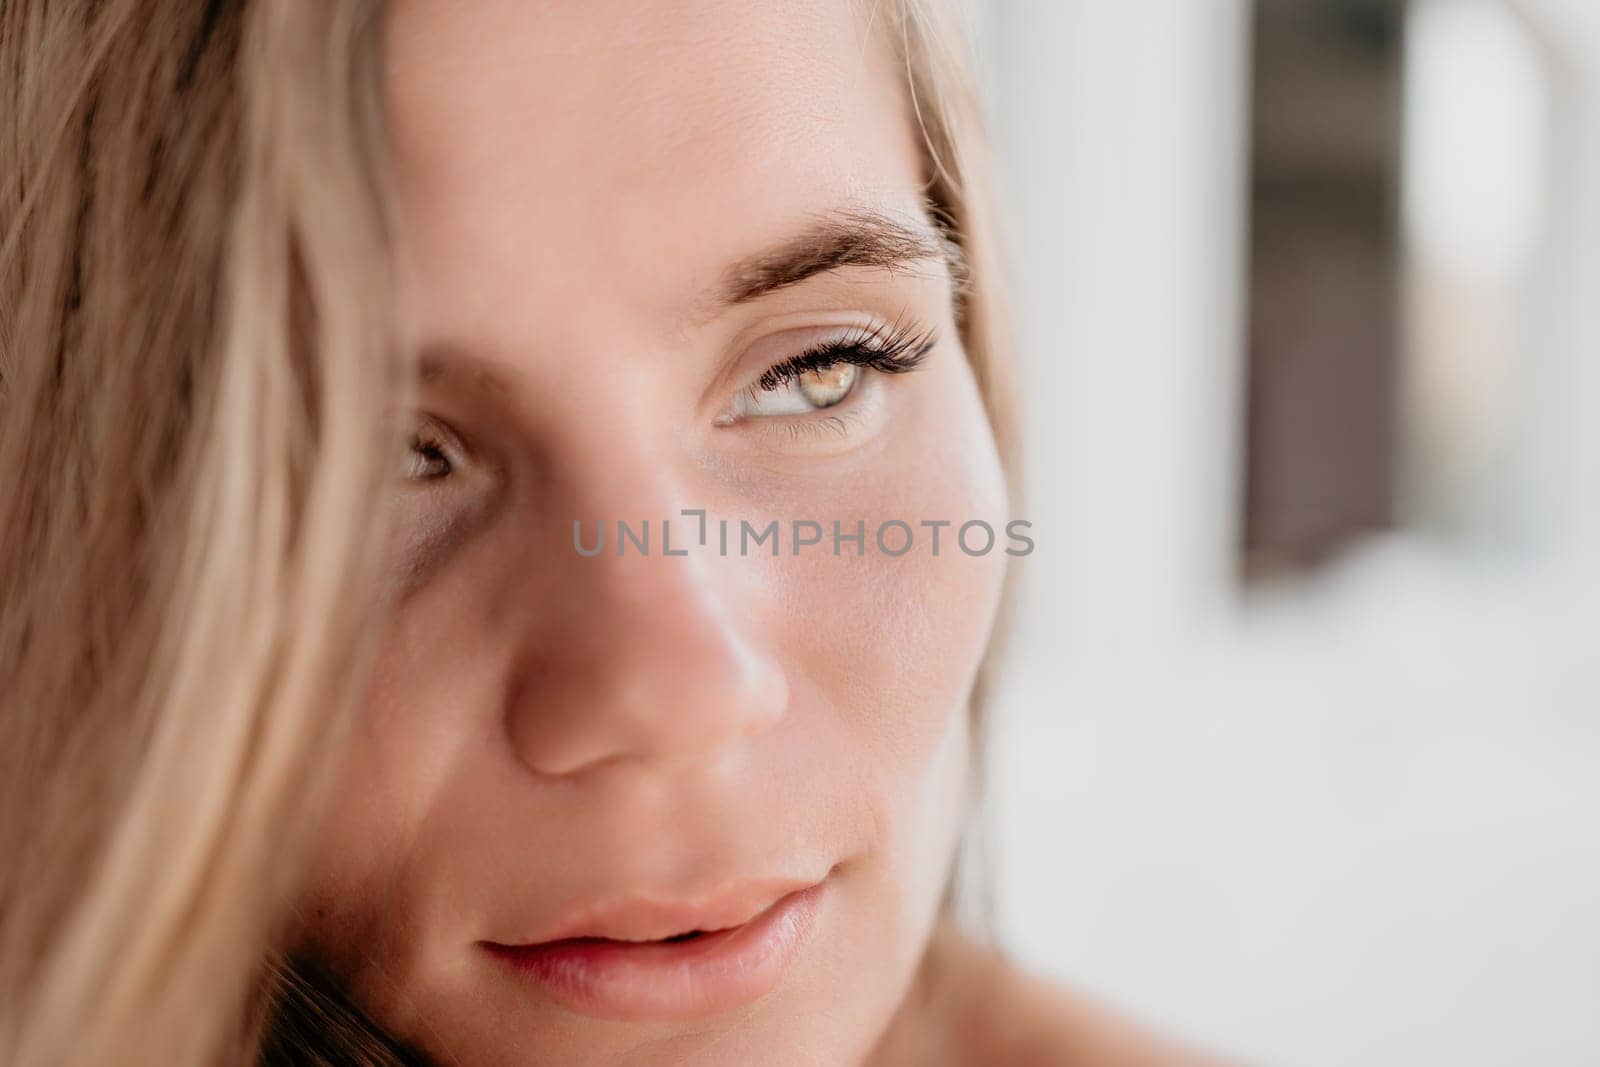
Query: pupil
[(828, 386)]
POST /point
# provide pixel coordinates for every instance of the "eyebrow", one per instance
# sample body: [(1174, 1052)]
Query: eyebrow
[(856, 237), (441, 363), (847, 237)]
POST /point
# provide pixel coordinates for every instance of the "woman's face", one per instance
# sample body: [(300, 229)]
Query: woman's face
[(615, 220)]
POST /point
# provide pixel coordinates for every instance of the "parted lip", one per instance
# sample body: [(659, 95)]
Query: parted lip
[(640, 917)]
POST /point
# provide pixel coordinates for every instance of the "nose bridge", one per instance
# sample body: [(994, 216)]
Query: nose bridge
[(640, 655)]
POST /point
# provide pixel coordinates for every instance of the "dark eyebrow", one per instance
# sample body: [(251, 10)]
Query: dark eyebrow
[(853, 237), (449, 365), (849, 238)]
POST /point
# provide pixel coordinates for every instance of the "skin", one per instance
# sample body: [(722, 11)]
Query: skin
[(580, 188)]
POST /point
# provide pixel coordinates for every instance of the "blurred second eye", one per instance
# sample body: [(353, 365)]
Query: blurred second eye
[(432, 452)]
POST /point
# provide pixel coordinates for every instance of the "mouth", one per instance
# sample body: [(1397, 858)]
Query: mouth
[(649, 961)]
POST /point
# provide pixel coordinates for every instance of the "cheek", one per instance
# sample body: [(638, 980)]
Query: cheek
[(892, 643), (377, 849)]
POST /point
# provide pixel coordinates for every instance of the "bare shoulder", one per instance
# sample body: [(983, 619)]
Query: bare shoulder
[(999, 1013)]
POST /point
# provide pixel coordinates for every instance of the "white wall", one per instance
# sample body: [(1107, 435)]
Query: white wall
[(1353, 820)]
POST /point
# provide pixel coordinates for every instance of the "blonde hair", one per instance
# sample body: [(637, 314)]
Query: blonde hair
[(947, 106), (194, 373)]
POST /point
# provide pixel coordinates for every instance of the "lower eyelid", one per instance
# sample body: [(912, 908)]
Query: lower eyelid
[(819, 426)]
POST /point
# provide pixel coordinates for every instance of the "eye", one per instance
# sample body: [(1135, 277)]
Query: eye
[(827, 374), (804, 392), (432, 453)]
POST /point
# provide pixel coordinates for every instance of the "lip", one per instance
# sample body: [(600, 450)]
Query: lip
[(619, 965)]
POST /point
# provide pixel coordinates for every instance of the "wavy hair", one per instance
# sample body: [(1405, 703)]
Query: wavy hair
[(195, 365)]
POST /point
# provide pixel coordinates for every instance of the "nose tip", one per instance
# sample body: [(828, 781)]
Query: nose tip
[(652, 669)]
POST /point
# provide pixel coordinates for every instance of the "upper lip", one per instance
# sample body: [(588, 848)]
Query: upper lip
[(652, 918)]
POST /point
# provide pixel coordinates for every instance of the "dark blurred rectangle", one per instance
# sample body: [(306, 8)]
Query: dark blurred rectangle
[(1323, 361)]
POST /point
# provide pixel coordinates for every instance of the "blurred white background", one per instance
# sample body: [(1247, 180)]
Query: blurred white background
[(1344, 810)]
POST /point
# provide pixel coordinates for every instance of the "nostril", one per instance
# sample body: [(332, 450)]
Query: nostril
[(662, 675)]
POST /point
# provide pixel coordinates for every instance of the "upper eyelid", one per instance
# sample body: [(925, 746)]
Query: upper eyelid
[(428, 423), (890, 343), (757, 357), (919, 341), (447, 367)]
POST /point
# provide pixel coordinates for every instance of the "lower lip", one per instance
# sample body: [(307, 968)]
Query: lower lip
[(656, 981)]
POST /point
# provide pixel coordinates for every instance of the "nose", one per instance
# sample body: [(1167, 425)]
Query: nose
[(646, 658)]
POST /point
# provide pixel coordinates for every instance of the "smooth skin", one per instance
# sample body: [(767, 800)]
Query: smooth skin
[(593, 199)]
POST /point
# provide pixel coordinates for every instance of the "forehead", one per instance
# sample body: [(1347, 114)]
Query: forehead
[(614, 151)]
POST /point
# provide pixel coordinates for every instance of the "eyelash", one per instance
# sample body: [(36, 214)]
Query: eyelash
[(820, 426), (889, 350)]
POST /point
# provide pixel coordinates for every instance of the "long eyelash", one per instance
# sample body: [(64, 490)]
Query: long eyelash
[(892, 350)]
